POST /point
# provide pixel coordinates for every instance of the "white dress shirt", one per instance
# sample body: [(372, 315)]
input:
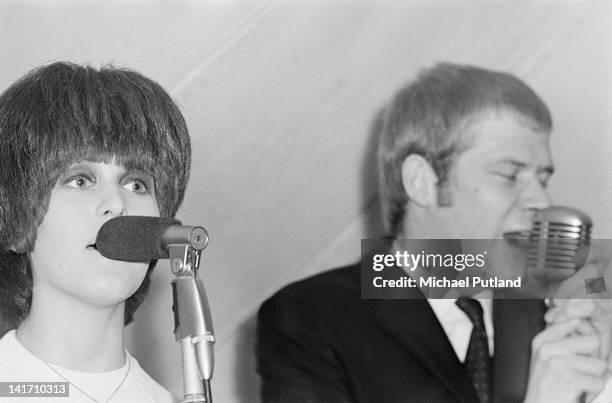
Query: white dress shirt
[(458, 326)]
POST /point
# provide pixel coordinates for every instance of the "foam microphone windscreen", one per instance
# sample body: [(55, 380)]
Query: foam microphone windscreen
[(133, 238)]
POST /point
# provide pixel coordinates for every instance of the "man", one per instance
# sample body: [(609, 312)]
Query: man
[(463, 153)]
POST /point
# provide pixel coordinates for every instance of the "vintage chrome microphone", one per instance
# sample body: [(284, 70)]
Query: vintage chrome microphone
[(558, 244)]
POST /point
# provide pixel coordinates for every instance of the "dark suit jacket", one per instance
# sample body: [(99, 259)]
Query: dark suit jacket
[(318, 341)]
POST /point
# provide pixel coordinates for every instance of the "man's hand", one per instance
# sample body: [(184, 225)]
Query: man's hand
[(565, 362), (572, 356), (570, 300), (598, 319)]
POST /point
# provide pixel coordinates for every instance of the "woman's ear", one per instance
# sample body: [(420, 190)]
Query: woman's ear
[(420, 181)]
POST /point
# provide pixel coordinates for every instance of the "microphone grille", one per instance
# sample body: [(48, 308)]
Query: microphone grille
[(559, 240), (133, 238)]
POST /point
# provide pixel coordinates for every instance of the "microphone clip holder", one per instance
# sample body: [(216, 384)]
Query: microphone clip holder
[(192, 323)]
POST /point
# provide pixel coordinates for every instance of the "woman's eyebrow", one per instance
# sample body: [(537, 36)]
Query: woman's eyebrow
[(139, 171), (79, 164)]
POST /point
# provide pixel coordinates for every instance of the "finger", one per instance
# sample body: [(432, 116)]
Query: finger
[(574, 308), (587, 383), (592, 366), (586, 327), (603, 326), (556, 331), (567, 346)]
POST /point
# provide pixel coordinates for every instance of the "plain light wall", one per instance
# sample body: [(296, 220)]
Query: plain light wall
[(280, 98)]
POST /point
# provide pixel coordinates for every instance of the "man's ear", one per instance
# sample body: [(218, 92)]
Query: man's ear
[(420, 181)]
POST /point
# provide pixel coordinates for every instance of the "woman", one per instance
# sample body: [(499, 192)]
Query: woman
[(79, 146)]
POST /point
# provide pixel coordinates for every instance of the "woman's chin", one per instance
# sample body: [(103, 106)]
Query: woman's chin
[(111, 288)]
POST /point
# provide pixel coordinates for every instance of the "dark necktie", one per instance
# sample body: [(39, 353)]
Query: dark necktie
[(477, 360)]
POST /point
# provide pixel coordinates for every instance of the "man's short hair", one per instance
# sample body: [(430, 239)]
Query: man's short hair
[(424, 118), (63, 113)]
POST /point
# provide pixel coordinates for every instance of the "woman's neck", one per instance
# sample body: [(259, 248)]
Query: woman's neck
[(74, 334)]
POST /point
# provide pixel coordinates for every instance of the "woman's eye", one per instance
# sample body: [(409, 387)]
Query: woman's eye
[(79, 182), (136, 186)]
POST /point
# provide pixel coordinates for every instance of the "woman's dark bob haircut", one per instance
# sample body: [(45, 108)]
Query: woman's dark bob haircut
[(63, 113)]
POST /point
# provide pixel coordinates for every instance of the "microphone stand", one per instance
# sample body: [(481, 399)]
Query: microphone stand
[(192, 322)]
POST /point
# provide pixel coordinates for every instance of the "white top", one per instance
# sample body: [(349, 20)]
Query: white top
[(458, 326), (17, 364)]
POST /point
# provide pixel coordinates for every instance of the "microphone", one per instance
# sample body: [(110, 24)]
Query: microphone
[(141, 238), (558, 243)]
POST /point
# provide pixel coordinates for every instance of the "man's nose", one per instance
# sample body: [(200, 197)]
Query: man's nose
[(535, 196), (112, 202)]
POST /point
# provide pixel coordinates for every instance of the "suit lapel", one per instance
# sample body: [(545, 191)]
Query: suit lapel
[(413, 323)]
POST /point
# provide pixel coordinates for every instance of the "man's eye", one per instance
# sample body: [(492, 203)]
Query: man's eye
[(508, 177), (136, 186), (79, 182)]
